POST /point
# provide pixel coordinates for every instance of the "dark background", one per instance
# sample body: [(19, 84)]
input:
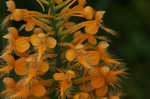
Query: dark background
[(131, 19)]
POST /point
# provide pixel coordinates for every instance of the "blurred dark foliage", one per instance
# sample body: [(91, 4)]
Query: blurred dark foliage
[(130, 18)]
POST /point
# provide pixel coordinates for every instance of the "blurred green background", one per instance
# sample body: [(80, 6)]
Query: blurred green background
[(131, 19)]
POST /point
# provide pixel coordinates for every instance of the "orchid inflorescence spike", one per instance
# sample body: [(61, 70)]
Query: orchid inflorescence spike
[(61, 58)]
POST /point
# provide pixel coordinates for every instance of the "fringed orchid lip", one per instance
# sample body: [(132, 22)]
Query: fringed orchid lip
[(65, 80)]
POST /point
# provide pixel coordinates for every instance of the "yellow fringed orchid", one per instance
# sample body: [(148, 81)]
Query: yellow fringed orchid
[(59, 43), (17, 43), (25, 15), (98, 81), (41, 41), (85, 36), (92, 26), (86, 58), (11, 36), (17, 90), (76, 51), (102, 50), (86, 12), (65, 81), (10, 64), (34, 68)]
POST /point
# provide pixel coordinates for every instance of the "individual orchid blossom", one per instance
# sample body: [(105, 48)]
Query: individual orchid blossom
[(10, 64), (16, 90), (78, 52), (65, 81), (25, 15), (41, 41)]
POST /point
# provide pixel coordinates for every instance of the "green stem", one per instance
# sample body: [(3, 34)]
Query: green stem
[(61, 5), (57, 48)]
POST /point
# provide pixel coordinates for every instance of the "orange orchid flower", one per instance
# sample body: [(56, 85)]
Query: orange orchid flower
[(33, 68), (102, 77), (112, 77), (16, 90), (11, 36), (102, 50), (21, 44), (17, 43), (85, 36), (28, 16), (92, 38), (86, 58), (86, 12), (19, 89), (41, 41), (30, 67), (92, 26), (78, 10), (10, 64), (65, 81), (10, 86), (98, 81), (9, 82), (78, 52), (40, 84)]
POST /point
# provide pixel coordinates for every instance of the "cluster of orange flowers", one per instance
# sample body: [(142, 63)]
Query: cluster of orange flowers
[(73, 54)]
